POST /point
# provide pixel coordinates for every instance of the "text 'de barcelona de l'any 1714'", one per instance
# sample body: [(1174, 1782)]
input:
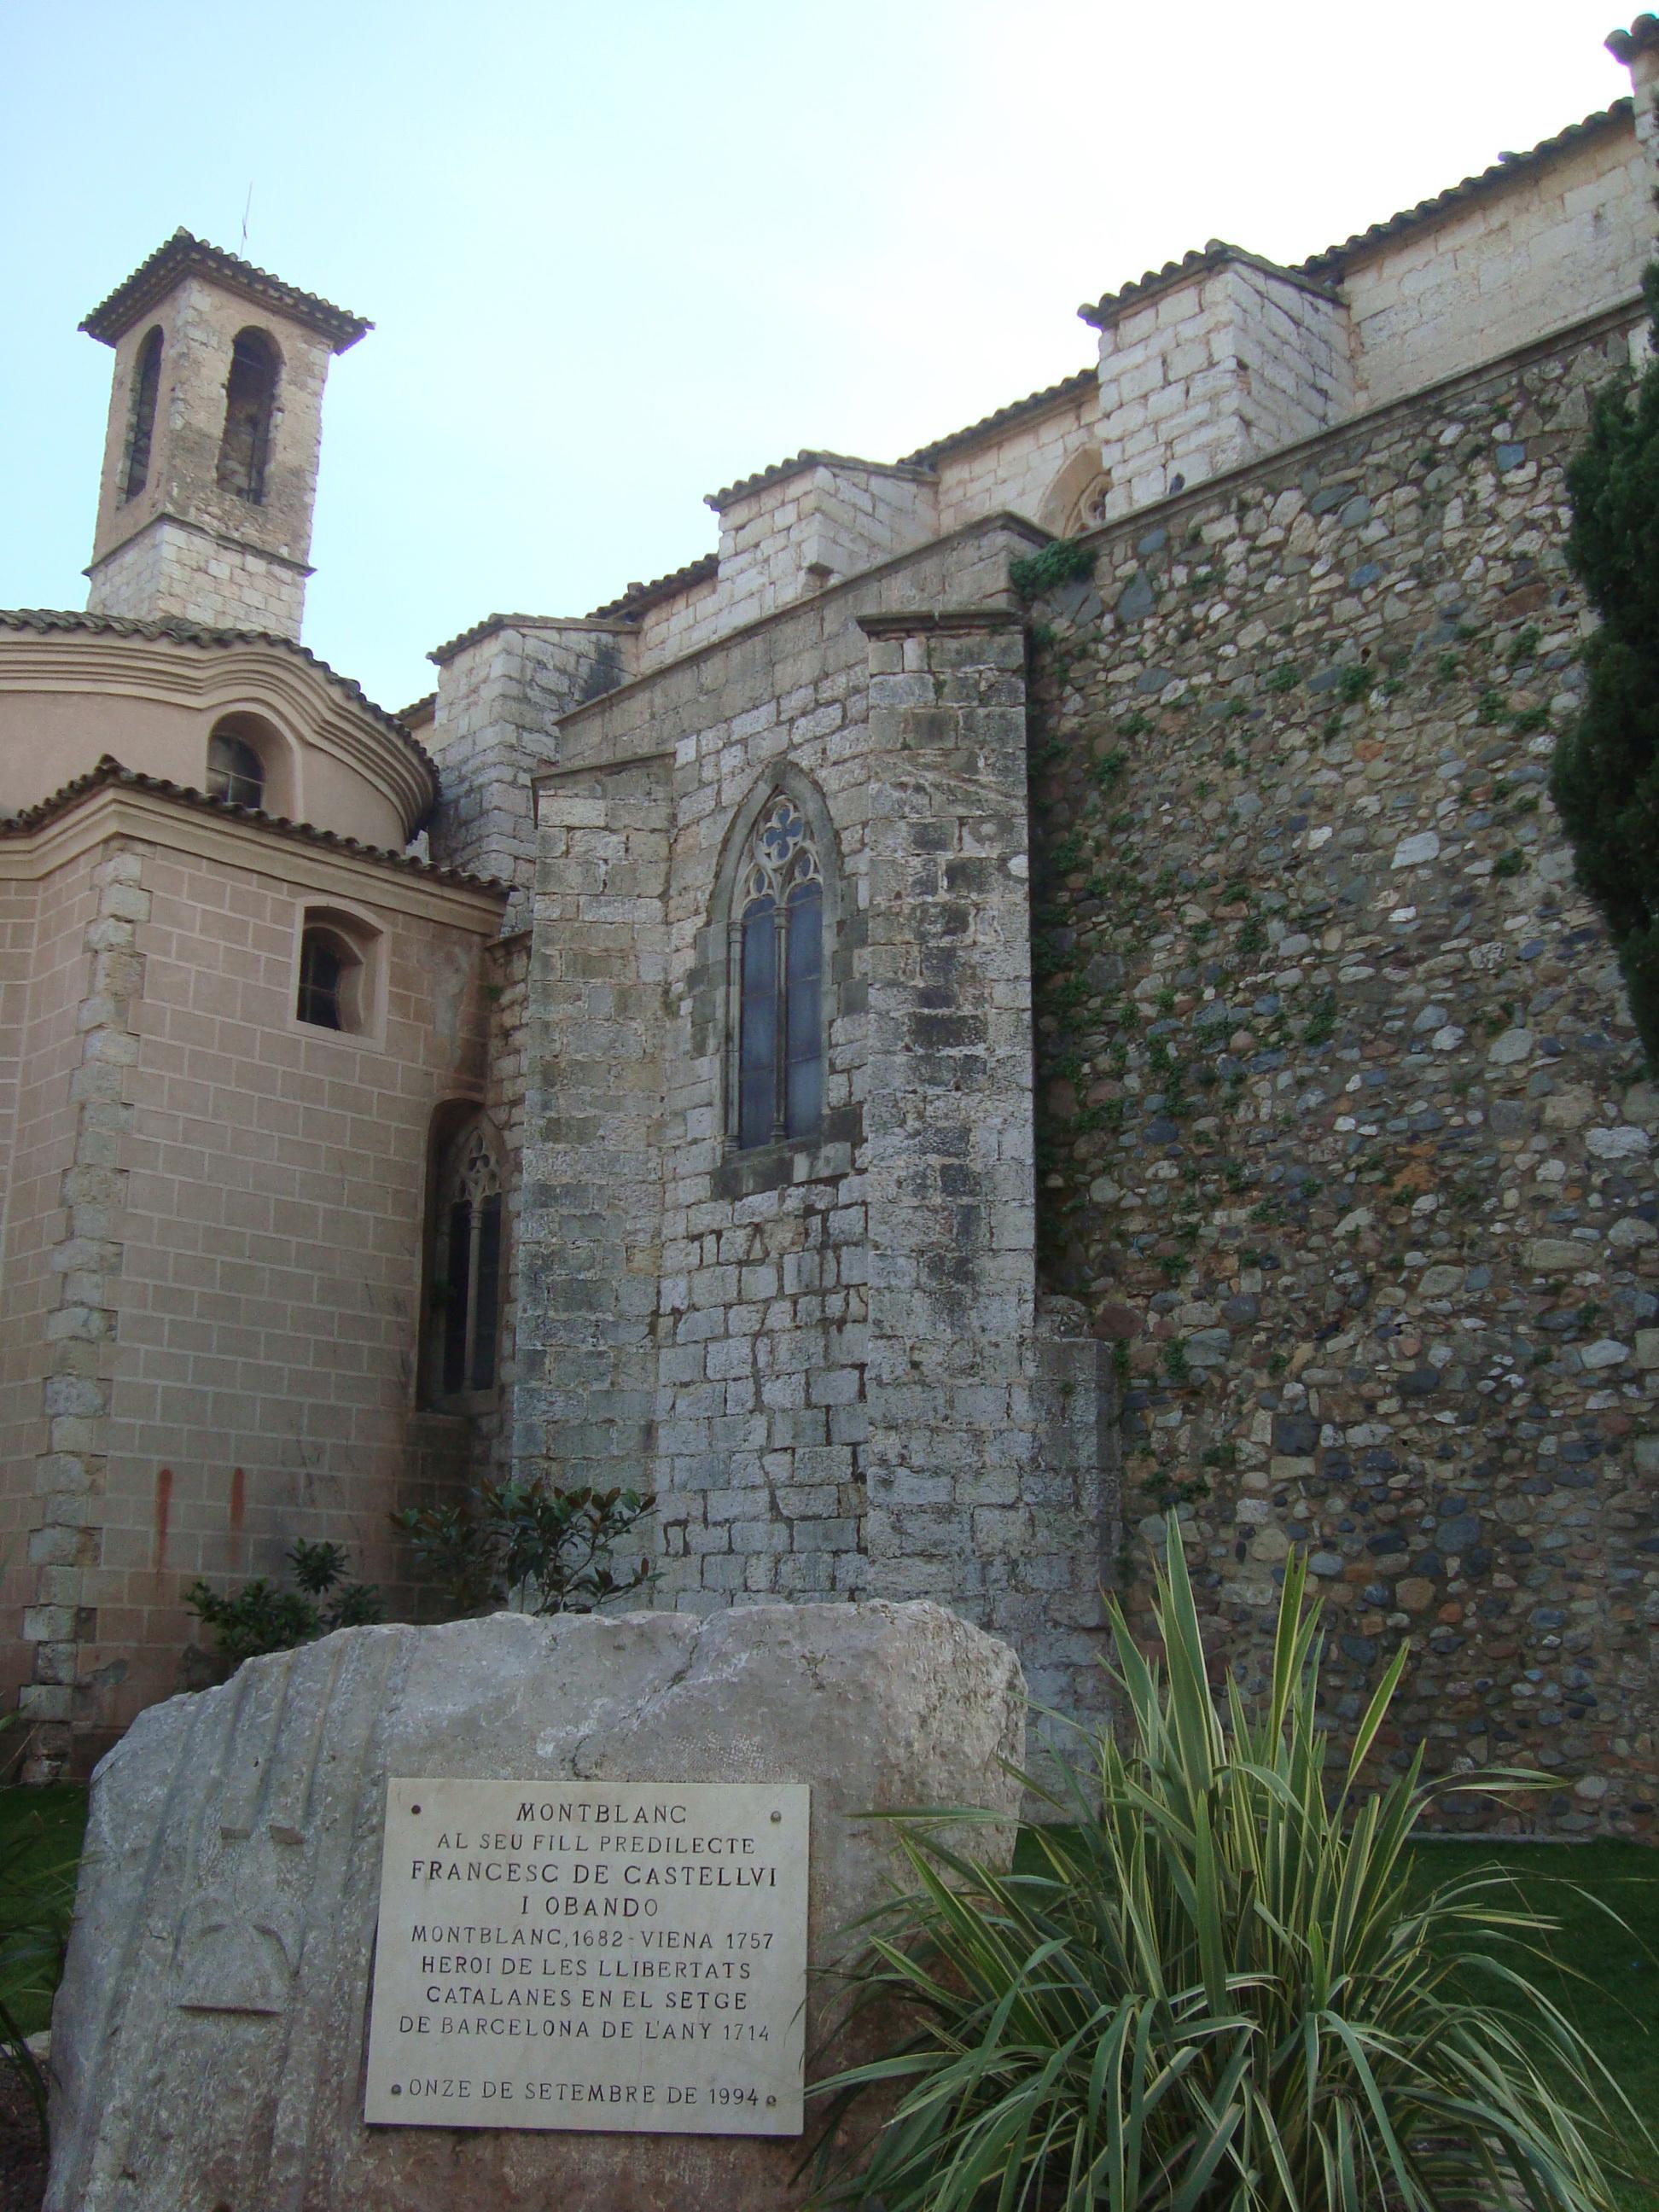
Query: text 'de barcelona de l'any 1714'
[(622, 1956)]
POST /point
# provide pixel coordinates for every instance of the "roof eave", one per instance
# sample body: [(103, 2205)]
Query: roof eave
[(183, 254)]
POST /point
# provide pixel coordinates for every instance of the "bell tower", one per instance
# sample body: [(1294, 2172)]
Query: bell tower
[(215, 427)]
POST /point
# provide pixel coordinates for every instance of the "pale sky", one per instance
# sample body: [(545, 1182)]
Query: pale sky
[(618, 256)]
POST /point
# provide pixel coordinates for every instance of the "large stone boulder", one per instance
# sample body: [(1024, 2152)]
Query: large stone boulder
[(208, 2038)]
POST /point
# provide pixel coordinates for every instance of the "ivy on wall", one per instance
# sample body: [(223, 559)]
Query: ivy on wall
[(1605, 775)]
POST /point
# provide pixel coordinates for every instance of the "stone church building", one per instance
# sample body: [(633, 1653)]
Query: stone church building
[(922, 1051)]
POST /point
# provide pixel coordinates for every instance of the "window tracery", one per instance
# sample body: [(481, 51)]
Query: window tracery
[(466, 1265), (777, 962)]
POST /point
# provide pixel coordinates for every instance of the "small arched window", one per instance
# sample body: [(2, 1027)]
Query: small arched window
[(250, 403), (777, 960), (326, 966), (466, 1265), (146, 392), (235, 770), (340, 983)]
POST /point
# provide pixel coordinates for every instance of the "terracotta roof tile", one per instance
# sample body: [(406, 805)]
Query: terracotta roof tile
[(152, 279), (110, 774), (1215, 254), (445, 653), (451, 647), (1069, 387), (1625, 45), (46, 620), (810, 457), (638, 597), (1504, 171)]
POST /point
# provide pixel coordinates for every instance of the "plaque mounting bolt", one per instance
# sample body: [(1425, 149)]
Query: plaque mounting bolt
[(776, 1816)]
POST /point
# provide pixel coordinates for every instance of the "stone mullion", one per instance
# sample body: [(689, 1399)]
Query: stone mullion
[(781, 1021)]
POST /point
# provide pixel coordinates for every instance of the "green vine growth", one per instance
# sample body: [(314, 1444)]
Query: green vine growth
[(1065, 561), (1605, 777)]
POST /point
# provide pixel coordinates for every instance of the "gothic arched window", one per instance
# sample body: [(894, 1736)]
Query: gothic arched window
[(146, 391), (466, 1265), (776, 959), (250, 403)]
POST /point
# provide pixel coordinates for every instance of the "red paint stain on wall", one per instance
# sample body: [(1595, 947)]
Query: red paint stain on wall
[(163, 1511)]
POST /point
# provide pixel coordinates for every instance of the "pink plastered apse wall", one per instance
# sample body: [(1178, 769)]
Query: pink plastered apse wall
[(268, 1300)]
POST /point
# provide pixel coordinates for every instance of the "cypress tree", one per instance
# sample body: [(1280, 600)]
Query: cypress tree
[(1605, 775)]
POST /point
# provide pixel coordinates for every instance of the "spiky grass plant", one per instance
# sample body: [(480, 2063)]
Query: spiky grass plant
[(1218, 1989)]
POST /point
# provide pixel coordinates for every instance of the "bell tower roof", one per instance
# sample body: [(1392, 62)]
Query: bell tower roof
[(183, 255)]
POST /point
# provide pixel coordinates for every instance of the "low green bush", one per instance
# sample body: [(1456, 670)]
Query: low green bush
[(530, 1546), (526, 1545), (262, 1616), (1215, 1987)]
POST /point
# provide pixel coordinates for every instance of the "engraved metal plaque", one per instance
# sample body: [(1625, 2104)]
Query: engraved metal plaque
[(616, 1955)]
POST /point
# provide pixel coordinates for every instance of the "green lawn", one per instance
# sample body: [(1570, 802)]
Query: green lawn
[(40, 1843), (1604, 1977)]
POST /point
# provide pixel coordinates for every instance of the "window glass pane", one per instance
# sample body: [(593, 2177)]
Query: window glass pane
[(758, 1039), (235, 772), (485, 1294), (458, 1262), (804, 1053), (320, 971)]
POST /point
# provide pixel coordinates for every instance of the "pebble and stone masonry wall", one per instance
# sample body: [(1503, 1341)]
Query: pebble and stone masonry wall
[(1344, 1136)]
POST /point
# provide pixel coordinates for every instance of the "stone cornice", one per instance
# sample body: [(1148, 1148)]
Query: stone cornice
[(201, 670), (149, 519), (950, 620), (117, 802)]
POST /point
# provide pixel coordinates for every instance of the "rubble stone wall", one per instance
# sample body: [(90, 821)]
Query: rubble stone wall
[(1343, 1138)]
